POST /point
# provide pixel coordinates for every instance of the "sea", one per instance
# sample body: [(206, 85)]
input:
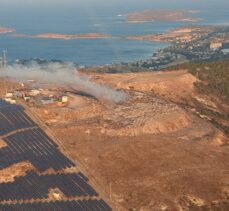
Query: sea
[(89, 52)]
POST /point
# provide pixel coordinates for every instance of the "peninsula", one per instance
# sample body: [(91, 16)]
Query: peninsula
[(186, 34)]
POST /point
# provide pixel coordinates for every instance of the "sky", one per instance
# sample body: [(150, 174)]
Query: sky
[(65, 7), (124, 3)]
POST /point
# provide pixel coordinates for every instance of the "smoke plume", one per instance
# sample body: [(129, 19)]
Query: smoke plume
[(65, 74)]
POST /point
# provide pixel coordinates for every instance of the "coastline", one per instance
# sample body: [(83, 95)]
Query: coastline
[(185, 33)]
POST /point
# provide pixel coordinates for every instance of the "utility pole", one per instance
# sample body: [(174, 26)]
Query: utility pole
[(5, 58), (3, 67), (110, 190)]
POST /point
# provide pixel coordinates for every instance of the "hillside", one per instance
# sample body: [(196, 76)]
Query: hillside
[(212, 88), (158, 150)]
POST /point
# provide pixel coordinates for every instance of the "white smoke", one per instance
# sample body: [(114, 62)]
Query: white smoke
[(65, 74)]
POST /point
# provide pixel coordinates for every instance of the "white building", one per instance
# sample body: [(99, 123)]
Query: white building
[(10, 100), (216, 45), (225, 51), (9, 95), (64, 99), (34, 92)]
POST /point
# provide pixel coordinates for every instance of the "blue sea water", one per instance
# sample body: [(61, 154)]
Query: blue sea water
[(87, 51)]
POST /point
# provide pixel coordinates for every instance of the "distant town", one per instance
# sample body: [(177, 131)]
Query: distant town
[(190, 44), (186, 44)]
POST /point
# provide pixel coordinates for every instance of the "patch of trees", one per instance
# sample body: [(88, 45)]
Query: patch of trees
[(213, 77)]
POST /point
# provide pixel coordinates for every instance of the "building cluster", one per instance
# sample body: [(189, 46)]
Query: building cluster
[(192, 47), (37, 96), (216, 45), (160, 60), (186, 38)]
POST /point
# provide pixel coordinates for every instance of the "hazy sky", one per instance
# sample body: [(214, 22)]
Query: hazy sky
[(12, 7), (161, 3)]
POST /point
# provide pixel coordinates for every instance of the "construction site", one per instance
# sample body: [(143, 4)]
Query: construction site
[(107, 142)]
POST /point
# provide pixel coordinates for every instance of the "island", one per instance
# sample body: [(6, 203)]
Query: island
[(4, 30), (65, 36), (163, 15)]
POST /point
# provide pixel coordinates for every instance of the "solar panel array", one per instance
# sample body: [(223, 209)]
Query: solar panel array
[(13, 118), (33, 186), (25, 141), (7, 106), (80, 205), (33, 146)]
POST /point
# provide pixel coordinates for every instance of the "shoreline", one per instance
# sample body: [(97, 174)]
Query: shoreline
[(175, 38), (170, 36)]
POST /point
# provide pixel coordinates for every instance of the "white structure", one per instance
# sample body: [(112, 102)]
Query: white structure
[(22, 84), (10, 100), (27, 99), (64, 99), (9, 95), (216, 45), (225, 51), (34, 92)]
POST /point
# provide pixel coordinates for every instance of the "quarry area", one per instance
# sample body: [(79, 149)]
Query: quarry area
[(132, 135)]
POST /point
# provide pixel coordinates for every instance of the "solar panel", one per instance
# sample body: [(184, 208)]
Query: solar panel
[(35, 146), (33, 186), (75, 205)]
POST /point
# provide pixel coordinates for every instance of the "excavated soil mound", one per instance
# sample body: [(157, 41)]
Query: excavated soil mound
[(144, 115)]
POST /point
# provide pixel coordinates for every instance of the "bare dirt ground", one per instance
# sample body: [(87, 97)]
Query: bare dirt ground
[(147, 153), (171, 84), (150, 171)]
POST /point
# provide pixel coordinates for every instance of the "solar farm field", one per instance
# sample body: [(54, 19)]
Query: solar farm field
[(25, 141)]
